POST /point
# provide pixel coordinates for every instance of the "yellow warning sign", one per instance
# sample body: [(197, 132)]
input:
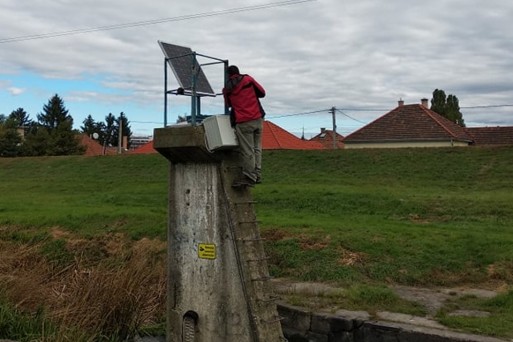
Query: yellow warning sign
[(207, 251)]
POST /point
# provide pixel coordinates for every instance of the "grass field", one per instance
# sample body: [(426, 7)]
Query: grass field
[(359, 219)]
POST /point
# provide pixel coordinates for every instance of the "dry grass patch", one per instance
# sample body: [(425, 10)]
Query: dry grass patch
[(110, 287)]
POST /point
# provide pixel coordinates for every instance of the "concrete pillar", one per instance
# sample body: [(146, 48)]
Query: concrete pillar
[(218, 281)]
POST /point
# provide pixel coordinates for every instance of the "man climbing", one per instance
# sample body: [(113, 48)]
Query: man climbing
[(241, 94)]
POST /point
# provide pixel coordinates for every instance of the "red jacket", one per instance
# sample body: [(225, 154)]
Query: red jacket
[(241, 93)]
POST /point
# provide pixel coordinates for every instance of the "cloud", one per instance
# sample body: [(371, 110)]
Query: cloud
[(15, 91), (309, 56)]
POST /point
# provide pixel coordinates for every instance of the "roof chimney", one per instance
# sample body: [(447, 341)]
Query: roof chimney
[(400, 102), (323, 129), (424, 102)]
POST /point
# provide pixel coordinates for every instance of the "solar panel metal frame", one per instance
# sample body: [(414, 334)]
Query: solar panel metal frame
[(180, 59)]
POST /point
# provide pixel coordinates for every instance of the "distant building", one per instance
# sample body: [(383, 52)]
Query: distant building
[(138, 141), (413, 125), (144, 149), (326, 139)]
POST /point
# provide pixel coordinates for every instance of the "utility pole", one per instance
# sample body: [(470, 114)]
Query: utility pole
[(333, 110), (120, 135)]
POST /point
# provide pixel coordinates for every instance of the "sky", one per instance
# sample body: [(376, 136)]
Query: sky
[(360, 57)]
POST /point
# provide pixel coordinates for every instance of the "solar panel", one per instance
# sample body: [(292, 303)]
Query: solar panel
[(180, 59)]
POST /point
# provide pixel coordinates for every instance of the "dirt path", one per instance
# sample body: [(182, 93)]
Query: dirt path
[(431, 299)]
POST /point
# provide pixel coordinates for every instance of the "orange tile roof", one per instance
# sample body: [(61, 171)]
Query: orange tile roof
[(144, 149), (412, 122), (93, 147), (276, 138)]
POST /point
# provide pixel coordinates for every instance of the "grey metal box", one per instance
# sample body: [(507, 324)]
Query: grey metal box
[(219, 133)]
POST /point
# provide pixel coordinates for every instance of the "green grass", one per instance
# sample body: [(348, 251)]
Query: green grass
[(87, 194), (418, 216), (28, 327), (430, 217), (497, 324)]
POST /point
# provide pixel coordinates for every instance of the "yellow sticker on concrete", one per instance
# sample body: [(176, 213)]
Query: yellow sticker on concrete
[(207, 251)]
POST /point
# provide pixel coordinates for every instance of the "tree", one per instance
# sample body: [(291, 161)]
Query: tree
[(37, 142), (110, 127), (447, 106), (21, 118), (91, 127), (54, 114), (54, 134), (10, 139)]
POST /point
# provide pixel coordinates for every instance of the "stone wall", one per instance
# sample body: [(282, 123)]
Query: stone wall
[(301, 325)]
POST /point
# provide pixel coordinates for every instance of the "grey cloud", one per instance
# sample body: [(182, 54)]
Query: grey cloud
[(309, 56)]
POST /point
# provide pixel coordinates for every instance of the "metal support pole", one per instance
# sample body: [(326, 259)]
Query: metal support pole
[(226, 109), (194, 101), (165, 92), (333, 110)]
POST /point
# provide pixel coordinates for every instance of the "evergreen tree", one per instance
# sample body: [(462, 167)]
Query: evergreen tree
[(110, 127), (21, 118), (91, 127), (10, 139), (37, 142), (54, 114), (447, 106), (54, 134)]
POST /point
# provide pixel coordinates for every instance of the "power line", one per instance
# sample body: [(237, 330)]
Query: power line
[(488, 106), (296, 114), (328, 110), (146, 122), (153, 21), (350, 117)]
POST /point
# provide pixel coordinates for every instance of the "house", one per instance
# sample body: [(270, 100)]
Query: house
[(327, 140), (491, 135), (413, 125)]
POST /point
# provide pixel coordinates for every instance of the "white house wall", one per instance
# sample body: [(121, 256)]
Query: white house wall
[(405, 144)]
